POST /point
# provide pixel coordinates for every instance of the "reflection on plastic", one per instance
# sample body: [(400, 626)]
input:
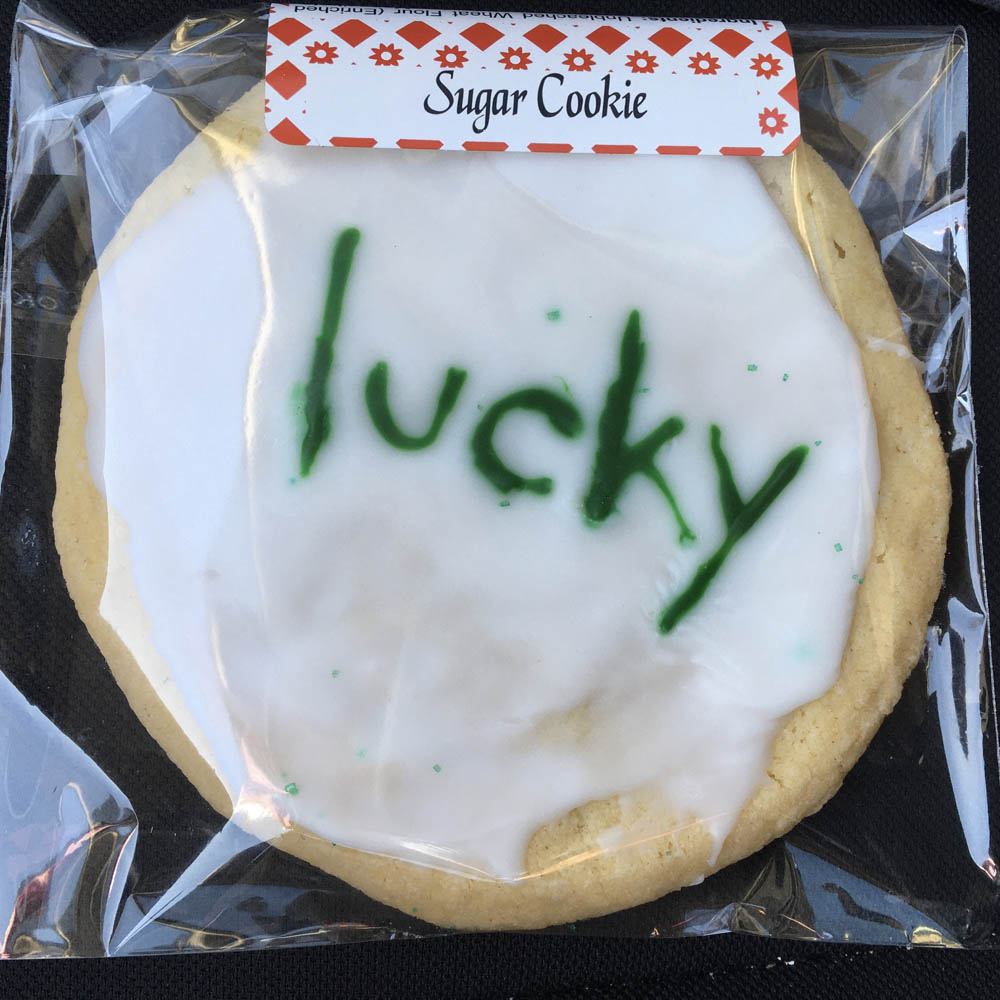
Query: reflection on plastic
[(799, 896), (887, 111), (224, 846), (67, 836), (956, 685)]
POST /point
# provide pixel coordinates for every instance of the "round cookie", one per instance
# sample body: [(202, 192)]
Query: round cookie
[(816, 744)]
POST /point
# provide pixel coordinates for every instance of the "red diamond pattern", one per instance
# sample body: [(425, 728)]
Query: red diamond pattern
[(482, 35), (354, 32), (783, 43), (289, 30), (286, 79), (608, 38), (288, 133), (545, 37), (670, 40), (418, 33), (790, 93), (731, 42)]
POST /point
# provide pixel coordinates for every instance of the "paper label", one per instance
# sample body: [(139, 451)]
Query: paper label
[(556, 83)]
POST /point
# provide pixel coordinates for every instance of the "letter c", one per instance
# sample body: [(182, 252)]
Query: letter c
[(563, 417), (541, 97)]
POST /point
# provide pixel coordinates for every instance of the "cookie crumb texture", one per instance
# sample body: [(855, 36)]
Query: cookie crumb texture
[(623, 844)]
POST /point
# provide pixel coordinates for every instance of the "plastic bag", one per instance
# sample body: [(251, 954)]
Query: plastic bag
[(110, 850)]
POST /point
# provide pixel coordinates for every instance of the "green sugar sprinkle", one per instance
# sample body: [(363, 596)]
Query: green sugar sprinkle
[(292, 788), (817, 443), (334, 673), (414, 910), (572, 927), (751, 368), (437, 768), (837, 547), (362, 753), (504, 503), (784, 378), (292, 480), (858, 579), (553, 314)]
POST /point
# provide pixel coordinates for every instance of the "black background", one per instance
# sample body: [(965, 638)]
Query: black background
[(526, 966)]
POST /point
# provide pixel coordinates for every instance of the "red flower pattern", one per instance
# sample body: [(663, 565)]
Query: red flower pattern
[(387, 55), (766, 65), (515, 59), (321, 52), (451, 57), (579, 61), (704, 64), (772, 122), (641, 62)]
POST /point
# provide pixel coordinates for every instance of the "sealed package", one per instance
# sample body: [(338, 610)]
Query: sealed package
[(490, 471)]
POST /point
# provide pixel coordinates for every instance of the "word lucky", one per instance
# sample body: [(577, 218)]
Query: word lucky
[(616, 459), (550, 100)]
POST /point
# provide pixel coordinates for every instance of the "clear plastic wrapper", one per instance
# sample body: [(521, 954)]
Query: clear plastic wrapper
[(108, 846)]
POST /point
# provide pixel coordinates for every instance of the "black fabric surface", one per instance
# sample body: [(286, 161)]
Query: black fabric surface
[(524, 967), (529, 966)]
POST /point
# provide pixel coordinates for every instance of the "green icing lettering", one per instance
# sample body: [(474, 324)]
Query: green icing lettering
[(377, 398), (562, 415), (615, 462), (739, 516), (318, 415)]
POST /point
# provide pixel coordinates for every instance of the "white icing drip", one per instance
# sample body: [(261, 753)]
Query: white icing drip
[(465, 633), (881, 344)]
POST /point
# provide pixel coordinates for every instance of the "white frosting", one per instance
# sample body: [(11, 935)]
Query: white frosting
[(881, 344), (514, 647)]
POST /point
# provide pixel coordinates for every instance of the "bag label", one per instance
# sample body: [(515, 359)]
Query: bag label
[(547, 83)]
